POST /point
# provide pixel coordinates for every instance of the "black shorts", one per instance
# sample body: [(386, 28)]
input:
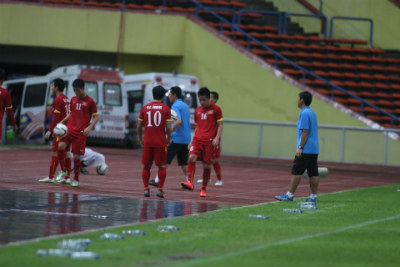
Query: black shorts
[(181, 150), (305, 162)]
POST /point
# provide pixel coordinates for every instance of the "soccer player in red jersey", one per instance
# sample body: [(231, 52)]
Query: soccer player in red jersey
[(60, 110), (81, 120), (208, 118), (155, 117), (214, 96), (5, 104)]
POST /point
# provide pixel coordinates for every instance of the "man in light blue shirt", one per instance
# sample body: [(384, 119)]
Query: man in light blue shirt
[(307, 150), (181, 132)]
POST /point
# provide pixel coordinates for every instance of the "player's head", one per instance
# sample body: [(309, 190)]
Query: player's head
[(305, 97), (204, 97), (79, 87), (175, 93), (158, 92), (214, 97), (2, 76), (57, 85)]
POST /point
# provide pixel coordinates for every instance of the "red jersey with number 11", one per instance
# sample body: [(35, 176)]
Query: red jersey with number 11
[(207, 122), (81, 110), (155, 116)]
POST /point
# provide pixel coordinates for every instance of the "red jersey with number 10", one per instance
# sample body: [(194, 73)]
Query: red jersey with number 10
[(155, 116), (207, 123), (81, 110)]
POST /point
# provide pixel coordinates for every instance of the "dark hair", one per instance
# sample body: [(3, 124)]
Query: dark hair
[(176, 90), (204, 91), (79, 83), (215, 95), (59, 83), (307, 97), (158, 92), (2, 74)]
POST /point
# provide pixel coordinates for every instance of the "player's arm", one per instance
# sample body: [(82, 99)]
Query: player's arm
[(10, 115), (140, 131), (56, 119), (303, 141), (65, 120), (177, 123), (169, 131), (95, 119), (9, 111), (215, 141)]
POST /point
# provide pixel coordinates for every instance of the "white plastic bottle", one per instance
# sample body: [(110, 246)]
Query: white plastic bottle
[(84, 255), (167, 228)]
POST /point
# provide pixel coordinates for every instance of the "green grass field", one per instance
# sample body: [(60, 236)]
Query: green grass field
[(352, 228)]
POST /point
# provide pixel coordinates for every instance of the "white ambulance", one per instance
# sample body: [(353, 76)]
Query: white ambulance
[(32, 103), (139, 88)]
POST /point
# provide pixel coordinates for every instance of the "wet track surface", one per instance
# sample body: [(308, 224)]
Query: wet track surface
[(26, 215)]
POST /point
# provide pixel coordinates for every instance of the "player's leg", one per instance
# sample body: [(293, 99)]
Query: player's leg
[(78, 146), (298, 168), (217, 166), (147, 161), (194, 152), (183, 157), (160, 159), (61, 154), (53, 162), (314, 178), (207, 160)]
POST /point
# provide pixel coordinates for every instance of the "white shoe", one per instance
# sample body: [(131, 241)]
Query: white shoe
[(65, 181), (46, 180), (219, 183), (200, 181)]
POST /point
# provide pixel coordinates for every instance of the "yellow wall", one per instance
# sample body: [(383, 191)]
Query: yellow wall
[(386, 17), (164, 43)]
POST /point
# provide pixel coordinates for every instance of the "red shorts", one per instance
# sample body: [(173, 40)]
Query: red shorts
[(158, 154), (77, 142), (205, 152)]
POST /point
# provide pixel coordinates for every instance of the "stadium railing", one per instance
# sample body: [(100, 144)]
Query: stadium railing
[(371, 27), (267, 139)]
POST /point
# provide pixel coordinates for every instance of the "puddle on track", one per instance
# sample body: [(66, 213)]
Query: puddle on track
[(27, 215)]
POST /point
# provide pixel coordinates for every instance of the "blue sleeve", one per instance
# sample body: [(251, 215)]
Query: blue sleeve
[(304, 121), (178, 112)]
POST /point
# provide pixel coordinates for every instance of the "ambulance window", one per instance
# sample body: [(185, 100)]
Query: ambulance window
[(35, 95), (92, 90), (112, 94), (135, 100), (190, 99)]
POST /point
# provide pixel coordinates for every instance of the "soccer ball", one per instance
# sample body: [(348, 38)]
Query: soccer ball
[(60, 130), (174, 115), (102, 169)]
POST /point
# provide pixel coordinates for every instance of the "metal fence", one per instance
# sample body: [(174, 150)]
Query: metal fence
[(337, 143)]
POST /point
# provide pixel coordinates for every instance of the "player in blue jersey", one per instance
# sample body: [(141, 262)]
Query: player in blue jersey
[(307, 150)]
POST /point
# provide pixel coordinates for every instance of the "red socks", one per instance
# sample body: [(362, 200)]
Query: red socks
[(146, 176), (217, 169), (61, 159), (191, 170), (77, 168), (53, 166), (162, 175), (206, 177)]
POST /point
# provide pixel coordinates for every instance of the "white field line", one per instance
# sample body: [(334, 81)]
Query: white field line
[(279, 243), (57, 213)]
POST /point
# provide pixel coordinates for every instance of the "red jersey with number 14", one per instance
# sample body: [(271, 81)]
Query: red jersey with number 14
[(207, 122), (155, 116), (81, 110)]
